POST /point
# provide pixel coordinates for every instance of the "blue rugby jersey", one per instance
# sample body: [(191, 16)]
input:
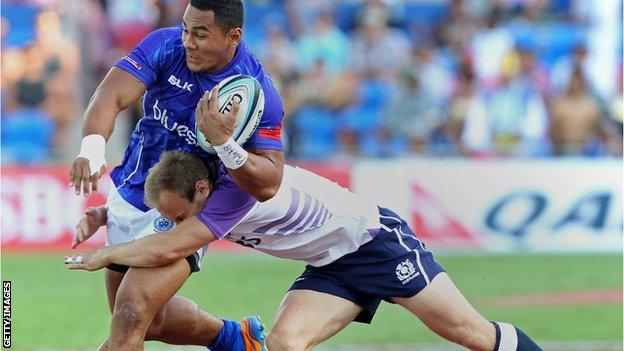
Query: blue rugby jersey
[(168, 121)]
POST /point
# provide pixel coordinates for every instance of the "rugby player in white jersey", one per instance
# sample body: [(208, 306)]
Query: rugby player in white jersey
[(358, 254)]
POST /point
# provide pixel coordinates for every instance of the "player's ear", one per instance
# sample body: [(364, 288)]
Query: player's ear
[(235, 36), (202, 187)]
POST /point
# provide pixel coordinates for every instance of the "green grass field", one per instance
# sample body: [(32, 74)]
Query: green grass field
[(54, 308)]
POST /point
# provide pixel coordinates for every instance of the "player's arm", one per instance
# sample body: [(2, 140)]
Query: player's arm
[(259, 171), (118, 91), (150, 251), (261, 175)]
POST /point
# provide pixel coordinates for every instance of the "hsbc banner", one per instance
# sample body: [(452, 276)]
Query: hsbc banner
[(502, 206), (40, 210)]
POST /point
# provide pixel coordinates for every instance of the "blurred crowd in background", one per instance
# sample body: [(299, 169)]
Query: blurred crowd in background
[(359, 78)]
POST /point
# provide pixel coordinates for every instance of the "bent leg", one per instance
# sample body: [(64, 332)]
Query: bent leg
[(179, 322), (446, 312), (182, 322), (306, 318), (142, 293)]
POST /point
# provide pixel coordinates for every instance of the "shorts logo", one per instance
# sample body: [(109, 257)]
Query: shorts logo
[(405, 271), (162, 224)]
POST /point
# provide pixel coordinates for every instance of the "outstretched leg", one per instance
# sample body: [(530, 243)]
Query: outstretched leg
[(445, 311)]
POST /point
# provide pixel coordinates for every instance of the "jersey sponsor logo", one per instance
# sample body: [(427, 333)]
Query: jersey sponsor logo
[(178, 83), (182, 130), (162, 224), (132, 62), (405, 271)]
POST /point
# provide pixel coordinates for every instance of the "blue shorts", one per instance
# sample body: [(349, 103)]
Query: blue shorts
[(394, 264)]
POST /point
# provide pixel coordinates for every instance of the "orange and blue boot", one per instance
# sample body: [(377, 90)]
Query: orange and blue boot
[(253, 334)]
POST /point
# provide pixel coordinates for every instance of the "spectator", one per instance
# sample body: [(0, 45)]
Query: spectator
[(278, 56), (301, 14), (325, 42), (412, 114), (61, 69), (488, 47), (466, 103), (456, 30), (575, 119), (379, 49), (434, 74), (564, 68), (30, 88), (516, 121)]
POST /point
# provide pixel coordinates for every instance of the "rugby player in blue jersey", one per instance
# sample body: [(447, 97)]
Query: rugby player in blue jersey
[(170, 70), (358, 254)]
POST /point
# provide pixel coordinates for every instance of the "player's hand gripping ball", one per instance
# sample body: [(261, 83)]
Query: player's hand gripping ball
[(233, 108)]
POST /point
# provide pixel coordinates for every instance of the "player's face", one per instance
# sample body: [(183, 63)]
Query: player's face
[(208, 48), (178, 208)]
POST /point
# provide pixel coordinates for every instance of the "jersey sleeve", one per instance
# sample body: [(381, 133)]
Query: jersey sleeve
[(146, 59), (268, 135), (226, 207)]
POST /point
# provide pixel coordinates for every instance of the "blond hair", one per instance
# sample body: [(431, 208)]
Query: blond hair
[(177, 172)]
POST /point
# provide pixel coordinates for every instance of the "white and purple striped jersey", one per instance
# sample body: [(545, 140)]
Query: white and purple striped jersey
[(310, 218)]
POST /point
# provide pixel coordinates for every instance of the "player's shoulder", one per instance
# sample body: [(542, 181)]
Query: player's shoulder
[(248, 63), (163, 37), (252, 66)]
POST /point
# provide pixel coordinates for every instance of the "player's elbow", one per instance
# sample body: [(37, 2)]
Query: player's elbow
[(159, 258), (266, 194)]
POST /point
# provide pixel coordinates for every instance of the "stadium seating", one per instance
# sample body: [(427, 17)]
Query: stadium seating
[(26, 136)]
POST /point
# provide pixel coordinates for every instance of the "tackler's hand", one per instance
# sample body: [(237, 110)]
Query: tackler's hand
[(92, 260)]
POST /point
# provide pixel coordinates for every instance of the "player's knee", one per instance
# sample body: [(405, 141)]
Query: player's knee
[(280, 340), (130, 315)]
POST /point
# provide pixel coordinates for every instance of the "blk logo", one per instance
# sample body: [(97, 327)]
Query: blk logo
[(178, 83)]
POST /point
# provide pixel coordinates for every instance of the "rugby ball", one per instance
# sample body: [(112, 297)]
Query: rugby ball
[(247, 90)]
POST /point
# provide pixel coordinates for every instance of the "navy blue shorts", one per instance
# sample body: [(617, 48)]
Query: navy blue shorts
[(394, 264)]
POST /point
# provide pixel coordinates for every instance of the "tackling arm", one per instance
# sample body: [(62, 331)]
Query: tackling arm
[(154, 250), (161, 249)]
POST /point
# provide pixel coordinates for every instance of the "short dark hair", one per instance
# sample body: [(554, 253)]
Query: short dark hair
[(176, 172), (228, 14)]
